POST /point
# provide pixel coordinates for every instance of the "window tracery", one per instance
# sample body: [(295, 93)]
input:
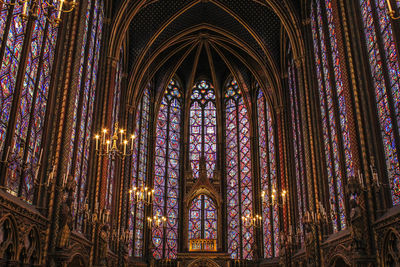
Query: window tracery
[(26, 149), (239, 173), (166, 173), (333, 116), (268, 174), (384, 66), (139, 174), (203, 128)]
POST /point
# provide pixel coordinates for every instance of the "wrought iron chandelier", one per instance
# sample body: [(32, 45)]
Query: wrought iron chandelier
[(29, 7), (114, 144)]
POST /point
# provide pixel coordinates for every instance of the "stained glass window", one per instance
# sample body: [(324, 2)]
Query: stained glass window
[(202, 218), (266, 143), (297, 146), (84, 105), (115, 114), (30, 118), (166, 177), (203, 128), (12, 40), (383, 59), (238, 164), (139, 173), (334, 120)]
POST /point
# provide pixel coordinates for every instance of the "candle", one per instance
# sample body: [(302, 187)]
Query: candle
[(97, 142), (389, 6), (132, 138), (60, 9), (122, 135), (125, 143), (25, 10), (108, 145)]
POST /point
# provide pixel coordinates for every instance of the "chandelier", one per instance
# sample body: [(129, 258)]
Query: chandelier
[(142, 194), (274, 197), (29, 7), (157, 221), (252, 221), (114, 144)]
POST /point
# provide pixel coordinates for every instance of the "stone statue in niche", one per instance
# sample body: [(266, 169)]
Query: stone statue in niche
[(66, 218), (356, 225), (310, 239), (103, 244)]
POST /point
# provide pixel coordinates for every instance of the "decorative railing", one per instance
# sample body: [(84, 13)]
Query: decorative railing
[(203, 245)]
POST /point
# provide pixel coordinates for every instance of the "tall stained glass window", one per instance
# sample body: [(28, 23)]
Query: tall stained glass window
[(238, 169), (203, 128), (32, 107), (166, 177), (297, 146), (384, 65), (202, 218), (334, 117), (139, 173), (84, 105), (266, 144), (115, 114)]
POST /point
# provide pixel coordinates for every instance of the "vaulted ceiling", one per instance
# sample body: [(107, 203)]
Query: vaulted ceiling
[(211, 38)]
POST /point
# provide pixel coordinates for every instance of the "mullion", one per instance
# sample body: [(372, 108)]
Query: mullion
[(6, 32), (166, 174), (136, 175), (35, 92), (387, 82), (327, 118)]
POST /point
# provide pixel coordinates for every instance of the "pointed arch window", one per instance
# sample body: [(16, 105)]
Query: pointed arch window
[(84, 106), (139, 173), (384, 66), (298, 151), (166, 173), (333, 109), (238, 169), (25, 150), (203, 128), (266, 143), (202, 218)]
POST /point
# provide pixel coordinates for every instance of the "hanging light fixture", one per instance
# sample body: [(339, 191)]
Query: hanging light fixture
[(114, 144), (252, 221), (29, 7), (157, 221), (142, 194), (274, 197)]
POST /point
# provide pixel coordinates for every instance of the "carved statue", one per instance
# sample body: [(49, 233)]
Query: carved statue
[(103, 244), (66, 218), (310, 240), (356, 225)]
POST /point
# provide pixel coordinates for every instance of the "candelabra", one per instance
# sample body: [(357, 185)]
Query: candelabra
[(157, 221), (252, 221), (115, 144), (391, 12), (142, 194), (29, 7), (274, 197)]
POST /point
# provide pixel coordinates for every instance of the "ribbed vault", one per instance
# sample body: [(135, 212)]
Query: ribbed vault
[(214, 38)]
